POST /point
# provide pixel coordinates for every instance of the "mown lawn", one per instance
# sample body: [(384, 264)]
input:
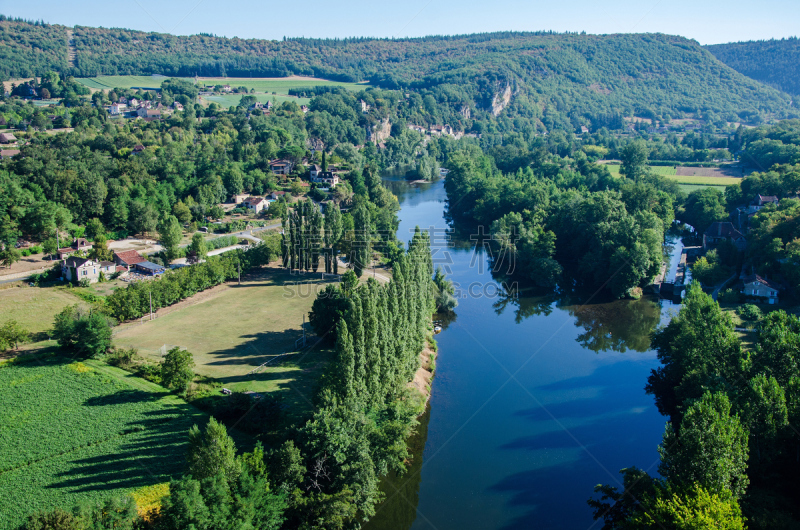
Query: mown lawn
[(236, 328), (76, 432), (34, 307), (231, 100), (268, 85)]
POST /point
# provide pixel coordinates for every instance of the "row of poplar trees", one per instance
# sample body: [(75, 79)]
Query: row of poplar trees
[(309, 236), (379, 338)]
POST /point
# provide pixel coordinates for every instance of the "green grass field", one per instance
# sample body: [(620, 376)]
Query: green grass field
[(695, 181), (231, 100), (707, 181), (73, 433), (107, 82), (34, 307), (265, 85), (234, 329), (689, 188)]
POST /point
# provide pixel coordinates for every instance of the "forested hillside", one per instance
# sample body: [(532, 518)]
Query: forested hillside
[(556, 80), (774, 62)]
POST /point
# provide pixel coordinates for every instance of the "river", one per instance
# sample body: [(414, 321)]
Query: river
[(535, 400)]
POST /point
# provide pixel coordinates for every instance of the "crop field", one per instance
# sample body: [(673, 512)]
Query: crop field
[(232, 329), (76, 432), (280, 85)]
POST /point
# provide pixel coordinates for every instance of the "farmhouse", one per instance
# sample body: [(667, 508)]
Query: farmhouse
[(721, 231), (8, 153), (755, 285), (256, 204), (226, 88), (313, 171), (78, 244), (127, 258), (7, 138), (275, 195), (75, 269), (281, 167)]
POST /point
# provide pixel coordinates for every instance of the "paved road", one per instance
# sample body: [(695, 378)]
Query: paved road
[(716, 290)]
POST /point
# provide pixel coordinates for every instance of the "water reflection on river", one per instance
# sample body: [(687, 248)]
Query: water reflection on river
[(536, 399)]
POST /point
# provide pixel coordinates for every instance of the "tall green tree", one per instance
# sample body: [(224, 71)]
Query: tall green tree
[(177, 369), (709, 449), (170, 234), (211, 451)]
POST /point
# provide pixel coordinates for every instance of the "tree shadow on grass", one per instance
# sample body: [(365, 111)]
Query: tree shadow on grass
[(144, 452)]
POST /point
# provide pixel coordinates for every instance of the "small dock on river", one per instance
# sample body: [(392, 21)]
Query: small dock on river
[(674, 289)]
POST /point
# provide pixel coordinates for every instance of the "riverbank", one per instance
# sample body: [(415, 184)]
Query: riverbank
[(424, 374)]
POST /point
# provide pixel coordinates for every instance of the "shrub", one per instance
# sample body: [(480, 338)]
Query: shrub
[(176, 370), (750, 312), (87, 334)]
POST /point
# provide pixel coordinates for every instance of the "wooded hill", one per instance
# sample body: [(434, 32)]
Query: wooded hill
[(563, 80), (774, 62)]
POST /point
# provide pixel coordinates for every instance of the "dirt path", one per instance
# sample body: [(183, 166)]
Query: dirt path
[(70, 49)]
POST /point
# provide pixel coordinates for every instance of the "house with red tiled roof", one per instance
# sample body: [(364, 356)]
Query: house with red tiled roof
[(255, 204), (126, 258)]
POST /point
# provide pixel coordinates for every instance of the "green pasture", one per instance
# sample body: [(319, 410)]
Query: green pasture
[(234, 329), (231, 100), (707, 181), (107, 82), (34, 308), (81, 432), (666, 171), (689, 188), (267, 85)]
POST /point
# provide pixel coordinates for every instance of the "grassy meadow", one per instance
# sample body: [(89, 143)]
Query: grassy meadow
[(231, 100), (33, 307), (688, 183), (267, 85), (76, 432), (232, 329)]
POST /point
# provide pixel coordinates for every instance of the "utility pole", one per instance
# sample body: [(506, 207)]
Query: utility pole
[(151, 305), (240, 272)]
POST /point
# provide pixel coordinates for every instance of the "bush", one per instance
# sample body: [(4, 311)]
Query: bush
[(176, 370), (750, 312), (87, 334), (730, 296)]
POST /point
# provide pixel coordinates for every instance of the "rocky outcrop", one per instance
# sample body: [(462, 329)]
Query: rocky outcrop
[(465, 111), (380, 132), (501, 100)]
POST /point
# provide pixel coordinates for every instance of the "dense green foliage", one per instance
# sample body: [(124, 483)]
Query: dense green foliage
[(568, 216), (772, 62), (555, 80), (84, 333), (730, 435)]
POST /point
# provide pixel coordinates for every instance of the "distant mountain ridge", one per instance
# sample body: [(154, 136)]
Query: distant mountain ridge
[(555, 80), (773, 62)]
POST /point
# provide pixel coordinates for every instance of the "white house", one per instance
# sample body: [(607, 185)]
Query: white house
[(117, 109), (755, 285), (75, 269), (255, 204)]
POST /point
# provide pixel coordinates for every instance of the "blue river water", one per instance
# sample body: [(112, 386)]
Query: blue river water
[(535, 400)]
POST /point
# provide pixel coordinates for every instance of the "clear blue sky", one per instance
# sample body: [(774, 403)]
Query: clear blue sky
[(707, 21)]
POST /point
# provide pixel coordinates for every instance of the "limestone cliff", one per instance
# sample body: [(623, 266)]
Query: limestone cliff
[(501, 100)]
